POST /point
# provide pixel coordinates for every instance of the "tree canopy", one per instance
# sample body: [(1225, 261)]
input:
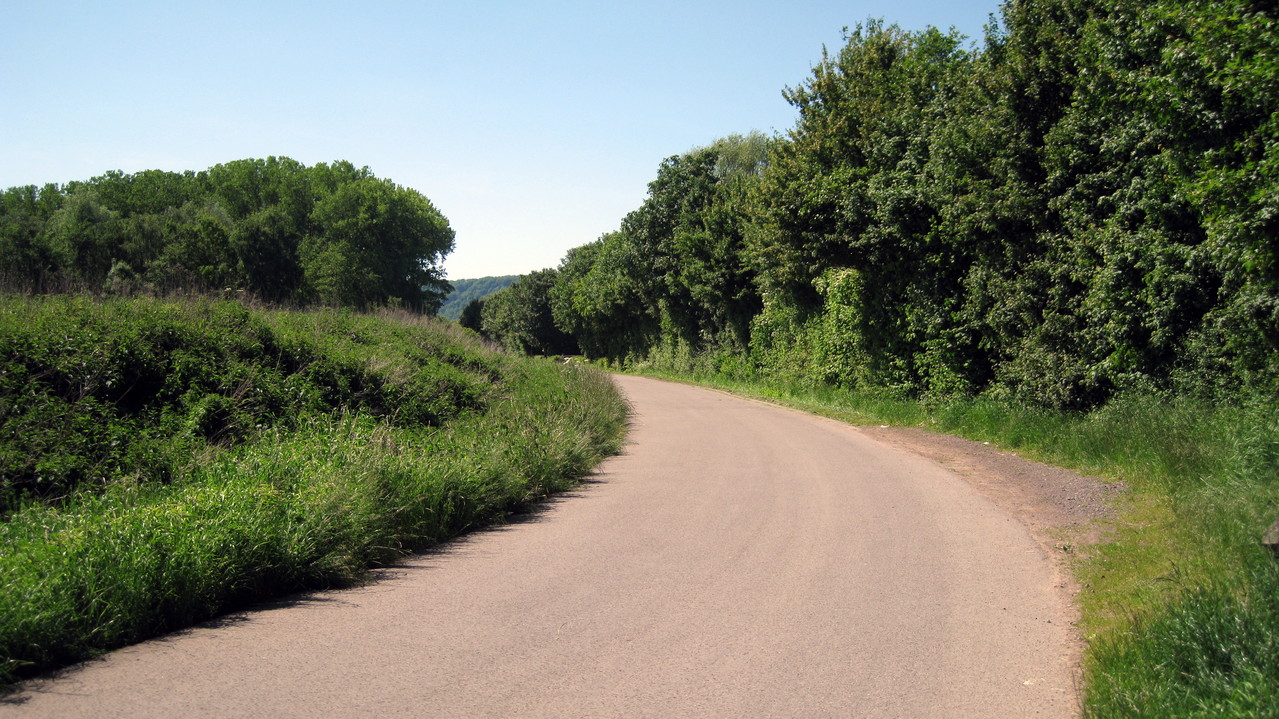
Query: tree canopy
[(330, 234), (1085, 203)]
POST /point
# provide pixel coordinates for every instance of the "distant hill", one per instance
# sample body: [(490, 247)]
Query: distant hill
[(466, 290)]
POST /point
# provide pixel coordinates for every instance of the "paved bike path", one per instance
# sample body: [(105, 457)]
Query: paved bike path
[(737, 560)]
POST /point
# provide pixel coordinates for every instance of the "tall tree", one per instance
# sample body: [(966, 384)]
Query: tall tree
[(520, 317)]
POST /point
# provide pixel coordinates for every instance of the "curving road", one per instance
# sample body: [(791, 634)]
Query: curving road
[(738, 560)]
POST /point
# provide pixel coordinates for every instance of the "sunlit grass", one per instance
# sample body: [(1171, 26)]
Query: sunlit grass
[(306, 504)]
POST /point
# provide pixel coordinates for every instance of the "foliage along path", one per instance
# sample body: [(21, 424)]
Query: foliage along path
[(737, 560)]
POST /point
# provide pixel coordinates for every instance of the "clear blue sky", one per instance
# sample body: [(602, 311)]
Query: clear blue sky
[(533, 126)]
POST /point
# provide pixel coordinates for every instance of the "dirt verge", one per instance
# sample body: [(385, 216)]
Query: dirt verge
[(1061, 508)]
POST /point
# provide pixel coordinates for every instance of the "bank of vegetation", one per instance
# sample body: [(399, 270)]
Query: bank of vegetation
[(162, 462), (1062, 238)]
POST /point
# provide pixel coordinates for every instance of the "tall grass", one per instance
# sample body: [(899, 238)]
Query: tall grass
[(308, 503), (1180, 603), (92, 391)]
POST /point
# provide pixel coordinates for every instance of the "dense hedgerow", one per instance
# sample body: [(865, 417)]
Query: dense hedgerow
[(1081, 204)]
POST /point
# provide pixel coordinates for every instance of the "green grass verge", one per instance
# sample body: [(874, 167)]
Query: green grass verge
[(1180, 603), (339, 481)]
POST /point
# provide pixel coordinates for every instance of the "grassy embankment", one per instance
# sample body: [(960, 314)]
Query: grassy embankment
[(1180, 603), (161, 463)]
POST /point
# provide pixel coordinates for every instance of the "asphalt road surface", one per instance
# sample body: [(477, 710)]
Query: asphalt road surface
[(738, 560)]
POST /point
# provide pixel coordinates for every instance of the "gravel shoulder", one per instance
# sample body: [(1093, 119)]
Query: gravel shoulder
[(1059, 506)]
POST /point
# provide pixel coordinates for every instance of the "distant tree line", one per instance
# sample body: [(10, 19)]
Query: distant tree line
[(1085, 204), (329, 234)]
